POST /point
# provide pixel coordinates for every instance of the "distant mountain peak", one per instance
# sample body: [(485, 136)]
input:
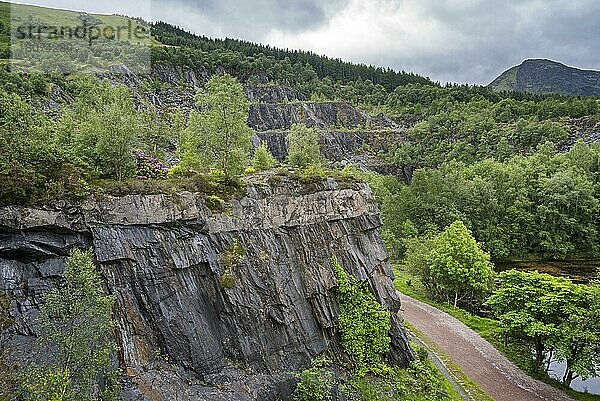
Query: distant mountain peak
[(543, 76)]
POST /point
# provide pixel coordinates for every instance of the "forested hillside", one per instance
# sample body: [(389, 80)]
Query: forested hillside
[(323, 66)]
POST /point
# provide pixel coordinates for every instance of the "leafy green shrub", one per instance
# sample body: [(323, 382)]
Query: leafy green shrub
[(215, 203), (363, 323), (315, 384), (177, 171), (231, 257), (263, 159), (312, 173), (228, 280), (303, 147), (419, 382)]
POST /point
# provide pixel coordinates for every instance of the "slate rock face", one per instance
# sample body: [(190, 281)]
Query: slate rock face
[(281, 116), (180, 329)]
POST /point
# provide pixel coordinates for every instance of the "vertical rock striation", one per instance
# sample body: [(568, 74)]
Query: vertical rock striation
[(162, 256)]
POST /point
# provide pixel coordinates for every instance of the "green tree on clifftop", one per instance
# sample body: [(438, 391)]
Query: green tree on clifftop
[(263, 159), (303, 147), (218, 135)]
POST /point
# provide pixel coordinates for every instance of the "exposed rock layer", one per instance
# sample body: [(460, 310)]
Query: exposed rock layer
[(162, 258)]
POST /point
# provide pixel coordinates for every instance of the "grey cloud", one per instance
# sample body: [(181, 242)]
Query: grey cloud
[(498, 35), (474, 41), (252, 19)]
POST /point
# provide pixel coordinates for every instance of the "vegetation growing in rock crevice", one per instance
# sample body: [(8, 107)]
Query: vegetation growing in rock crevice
[(315, 383), (231, 257), (364, 324), (324, 381)]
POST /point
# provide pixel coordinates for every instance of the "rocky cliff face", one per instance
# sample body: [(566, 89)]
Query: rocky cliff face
[(586, 129), (183, 333), (362, 148)]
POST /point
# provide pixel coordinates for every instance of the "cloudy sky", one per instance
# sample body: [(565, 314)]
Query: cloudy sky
[(469, 41)]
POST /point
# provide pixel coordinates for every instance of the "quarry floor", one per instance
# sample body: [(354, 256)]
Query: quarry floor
[(477, 358)]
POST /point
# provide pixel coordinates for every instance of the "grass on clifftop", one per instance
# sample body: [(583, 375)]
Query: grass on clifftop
[(488, 329)]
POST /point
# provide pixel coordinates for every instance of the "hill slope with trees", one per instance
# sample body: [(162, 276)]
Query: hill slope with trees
[(546, 76)]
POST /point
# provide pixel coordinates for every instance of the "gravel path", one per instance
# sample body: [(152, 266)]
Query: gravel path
[(441, 367), (477, 358)]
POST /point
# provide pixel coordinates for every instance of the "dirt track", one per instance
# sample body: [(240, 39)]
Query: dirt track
[(479, 360)]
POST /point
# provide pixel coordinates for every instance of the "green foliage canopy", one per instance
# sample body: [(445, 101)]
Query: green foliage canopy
[(219, 133), (263, 159), (303, 147), (545, 204), (455, 268), (551, 314), (363, 323), (76, 337)]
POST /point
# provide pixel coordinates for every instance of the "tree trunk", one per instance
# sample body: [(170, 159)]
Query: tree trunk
[(569, 374), (568, 377), (539, 354), (549, 360), (455, 299)]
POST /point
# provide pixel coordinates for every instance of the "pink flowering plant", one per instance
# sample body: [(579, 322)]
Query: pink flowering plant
[(149, 167)]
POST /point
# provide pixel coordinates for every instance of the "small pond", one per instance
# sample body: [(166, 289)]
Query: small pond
[(580, 271), (591, 385)]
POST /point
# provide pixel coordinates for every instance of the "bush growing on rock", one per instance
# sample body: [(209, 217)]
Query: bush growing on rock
[(231, 257), (364, 324), (263, 159), (149, 167), (315, 384), (303, 147)]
